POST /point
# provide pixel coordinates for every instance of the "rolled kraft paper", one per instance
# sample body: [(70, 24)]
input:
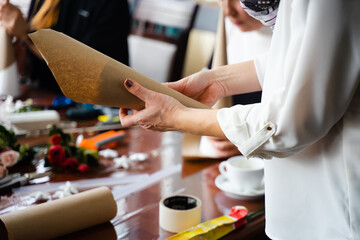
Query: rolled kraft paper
[(179, 212), (88, 76), (220, 56), (7, 56), (59, 217), (9, 79), (191, 143)]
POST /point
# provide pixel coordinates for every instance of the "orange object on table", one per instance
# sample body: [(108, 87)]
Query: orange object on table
[(94, 143)]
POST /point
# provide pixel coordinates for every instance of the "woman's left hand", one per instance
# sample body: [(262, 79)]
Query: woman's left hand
[(159, 113)]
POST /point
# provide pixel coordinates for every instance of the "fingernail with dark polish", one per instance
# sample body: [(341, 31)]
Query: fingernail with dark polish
[(128, 83)]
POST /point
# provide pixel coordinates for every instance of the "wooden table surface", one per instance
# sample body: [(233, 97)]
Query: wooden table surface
[(138, 213)]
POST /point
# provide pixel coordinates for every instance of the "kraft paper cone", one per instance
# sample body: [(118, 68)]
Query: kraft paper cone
[(191, 143), (59, 217), (9, 79), (88, 76)]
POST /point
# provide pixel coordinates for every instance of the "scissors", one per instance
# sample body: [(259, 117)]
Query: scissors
[(16, 179)]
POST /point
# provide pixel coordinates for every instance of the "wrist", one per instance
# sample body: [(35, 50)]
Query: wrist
[(23, 38), (177, 118), (198, 122), (23, 32), (218, 78)]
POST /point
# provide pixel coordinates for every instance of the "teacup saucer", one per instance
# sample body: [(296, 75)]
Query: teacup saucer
[(223, 184)]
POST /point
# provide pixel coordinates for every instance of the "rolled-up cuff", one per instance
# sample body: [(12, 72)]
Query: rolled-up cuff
[(237, 131)]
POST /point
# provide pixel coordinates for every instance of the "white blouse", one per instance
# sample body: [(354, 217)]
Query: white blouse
[(245, 46), (308, 123)]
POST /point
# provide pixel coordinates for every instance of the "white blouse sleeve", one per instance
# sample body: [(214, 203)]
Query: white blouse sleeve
[(311, 75), (260, 66)]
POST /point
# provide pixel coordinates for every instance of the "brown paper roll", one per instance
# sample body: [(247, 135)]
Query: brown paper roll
[(59, 217), (220, 56), (88, 76), (7, 56), (190, 146)]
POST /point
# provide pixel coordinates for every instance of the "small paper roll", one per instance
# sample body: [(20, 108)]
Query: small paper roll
[(179, 212), (9, 79), (59, 217), (220, 56), (7, 56)]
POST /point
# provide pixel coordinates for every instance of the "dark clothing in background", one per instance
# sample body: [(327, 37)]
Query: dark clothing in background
[(247, 98), (101, 24)]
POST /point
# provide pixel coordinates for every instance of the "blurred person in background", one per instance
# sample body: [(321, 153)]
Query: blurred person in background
[(103, 25), (246, 38)]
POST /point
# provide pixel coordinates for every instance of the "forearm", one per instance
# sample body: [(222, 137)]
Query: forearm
[(16, 26), (30, 45), (198, 122), (237, 78)]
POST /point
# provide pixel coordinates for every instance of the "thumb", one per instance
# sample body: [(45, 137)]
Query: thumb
[(139, 91), (175, 86)]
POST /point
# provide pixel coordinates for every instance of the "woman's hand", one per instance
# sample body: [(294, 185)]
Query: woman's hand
[(223, 147), (12, 20), (159, 113), (200, 86)]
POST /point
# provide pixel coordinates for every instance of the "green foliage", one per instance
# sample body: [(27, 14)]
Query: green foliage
[(26, 153), (91, 157), (9, 140), (28, 109)]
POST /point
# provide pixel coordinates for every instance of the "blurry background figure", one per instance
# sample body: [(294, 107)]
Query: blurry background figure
[(102, 25), (246, 38)]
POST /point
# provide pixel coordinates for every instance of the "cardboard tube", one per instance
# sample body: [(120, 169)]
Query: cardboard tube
[(191, 143), (9, 79), (220, 56), (59, 217), (7, 52), (88, 76), (179, 212)]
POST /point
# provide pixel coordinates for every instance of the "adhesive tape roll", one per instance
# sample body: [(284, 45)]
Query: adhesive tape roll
[(179, 212)]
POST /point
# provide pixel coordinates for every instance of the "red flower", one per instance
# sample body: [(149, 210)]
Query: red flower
[(83, 168), (56, 139), (56, 155), (70, 164)]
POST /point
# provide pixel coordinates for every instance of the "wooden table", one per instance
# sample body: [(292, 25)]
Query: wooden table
[(137, 216)]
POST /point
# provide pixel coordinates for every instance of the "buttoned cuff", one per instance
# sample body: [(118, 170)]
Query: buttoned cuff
[(237, 131)]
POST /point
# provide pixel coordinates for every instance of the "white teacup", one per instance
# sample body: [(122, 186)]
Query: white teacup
[(243, 174)]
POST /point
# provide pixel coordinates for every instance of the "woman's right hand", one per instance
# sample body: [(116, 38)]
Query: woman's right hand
[(200, 86), (12, 20)]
